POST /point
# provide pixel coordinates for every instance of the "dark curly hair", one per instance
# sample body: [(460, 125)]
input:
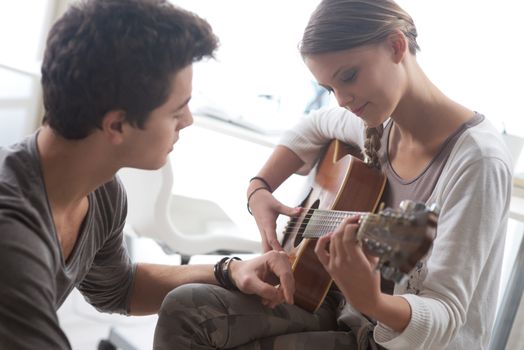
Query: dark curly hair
[(103, 55)]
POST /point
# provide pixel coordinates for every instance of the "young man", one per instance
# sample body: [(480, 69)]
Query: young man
[(116, 80)]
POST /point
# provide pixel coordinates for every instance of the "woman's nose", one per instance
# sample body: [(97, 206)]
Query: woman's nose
[(344, 100)]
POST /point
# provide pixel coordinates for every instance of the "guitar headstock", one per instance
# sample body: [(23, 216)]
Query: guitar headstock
[(400, 238)]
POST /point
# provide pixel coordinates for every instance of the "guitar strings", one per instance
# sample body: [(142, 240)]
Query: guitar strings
[(315, 228), (317, 222)]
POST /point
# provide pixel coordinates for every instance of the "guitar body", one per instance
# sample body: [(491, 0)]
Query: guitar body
[(343, 182)]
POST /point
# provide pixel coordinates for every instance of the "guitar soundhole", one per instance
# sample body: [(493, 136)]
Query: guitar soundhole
[(303, 224)]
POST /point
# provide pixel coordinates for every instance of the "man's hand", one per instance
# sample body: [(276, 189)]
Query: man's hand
[(269, 276)]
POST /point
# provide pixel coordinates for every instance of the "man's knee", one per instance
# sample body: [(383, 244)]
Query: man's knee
[(188, 296)]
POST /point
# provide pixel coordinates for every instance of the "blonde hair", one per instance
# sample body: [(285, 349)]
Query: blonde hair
[(344, 24)]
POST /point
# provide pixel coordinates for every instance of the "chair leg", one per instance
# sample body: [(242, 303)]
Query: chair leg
[(106, 345), (115, 341), (184, 259)]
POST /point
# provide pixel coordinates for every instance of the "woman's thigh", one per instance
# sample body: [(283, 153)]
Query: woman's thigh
[(202, 316)]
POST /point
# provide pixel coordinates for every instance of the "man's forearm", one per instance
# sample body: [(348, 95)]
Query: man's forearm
[(153, 282)]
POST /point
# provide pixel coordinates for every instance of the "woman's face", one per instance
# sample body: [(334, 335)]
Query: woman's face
[(367, 80)]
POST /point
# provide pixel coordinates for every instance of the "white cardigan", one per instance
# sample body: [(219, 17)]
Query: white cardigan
[(453, 296)]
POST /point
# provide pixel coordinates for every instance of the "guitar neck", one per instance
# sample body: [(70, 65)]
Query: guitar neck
[(316, 223)]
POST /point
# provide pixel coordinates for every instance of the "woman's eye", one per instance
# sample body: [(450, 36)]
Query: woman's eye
[(349, 76)]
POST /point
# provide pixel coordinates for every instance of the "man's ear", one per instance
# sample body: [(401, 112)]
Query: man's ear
[(113, 126), (398, 43)]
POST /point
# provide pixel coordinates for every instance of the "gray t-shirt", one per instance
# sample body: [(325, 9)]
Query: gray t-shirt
[(420, 187), (34, 278)]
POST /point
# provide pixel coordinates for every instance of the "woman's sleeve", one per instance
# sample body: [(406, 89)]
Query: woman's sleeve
[(314, 132), (466, 253)]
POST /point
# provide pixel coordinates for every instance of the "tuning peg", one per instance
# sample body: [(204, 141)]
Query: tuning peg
[(407, 206), (378, 248), (434, 208)]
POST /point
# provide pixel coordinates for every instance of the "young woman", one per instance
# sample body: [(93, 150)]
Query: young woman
[(431, 149)]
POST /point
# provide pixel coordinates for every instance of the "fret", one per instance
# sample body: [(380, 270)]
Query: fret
[(318, 222)]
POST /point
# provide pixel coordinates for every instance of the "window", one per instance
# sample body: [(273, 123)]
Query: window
[(258, 73), (23, 28), (470, 49)]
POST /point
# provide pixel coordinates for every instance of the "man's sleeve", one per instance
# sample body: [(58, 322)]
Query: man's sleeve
[(28, 319), (108, 284)]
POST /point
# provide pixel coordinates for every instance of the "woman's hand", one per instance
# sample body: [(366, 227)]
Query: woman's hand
[(269, 276), (351, 268), (266, 209)]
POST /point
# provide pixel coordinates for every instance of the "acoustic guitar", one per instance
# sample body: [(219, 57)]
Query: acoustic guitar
[(344, 185)]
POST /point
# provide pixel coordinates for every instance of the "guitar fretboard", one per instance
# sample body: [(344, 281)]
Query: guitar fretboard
[(315, 223)]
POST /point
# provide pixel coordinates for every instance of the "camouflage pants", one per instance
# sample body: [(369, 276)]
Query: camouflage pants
[(200, 316)]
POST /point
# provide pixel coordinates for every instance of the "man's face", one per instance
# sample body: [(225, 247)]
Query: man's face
[(150, 146)]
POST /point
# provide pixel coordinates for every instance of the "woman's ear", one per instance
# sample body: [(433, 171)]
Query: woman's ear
[(113, 126), (398, 43)]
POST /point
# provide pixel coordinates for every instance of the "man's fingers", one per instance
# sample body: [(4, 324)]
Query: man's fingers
[(287, 285), (267, 292), (281, 268)]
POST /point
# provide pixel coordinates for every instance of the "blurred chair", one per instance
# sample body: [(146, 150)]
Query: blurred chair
[(510, 304), (180, 224)]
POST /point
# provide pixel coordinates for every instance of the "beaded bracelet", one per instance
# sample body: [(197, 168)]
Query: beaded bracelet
[(221, 271), (261, 179), (251, 195)]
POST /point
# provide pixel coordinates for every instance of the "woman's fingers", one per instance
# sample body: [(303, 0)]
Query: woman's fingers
[(322, 249), (288, 211), (274, 243), (333, 248), (271, 234)]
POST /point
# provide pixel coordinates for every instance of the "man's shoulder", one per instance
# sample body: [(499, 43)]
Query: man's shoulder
[(22, 196), (111, 192), (18, 163)]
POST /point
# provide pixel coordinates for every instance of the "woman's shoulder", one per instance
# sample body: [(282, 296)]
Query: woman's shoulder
[(482, 141)]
